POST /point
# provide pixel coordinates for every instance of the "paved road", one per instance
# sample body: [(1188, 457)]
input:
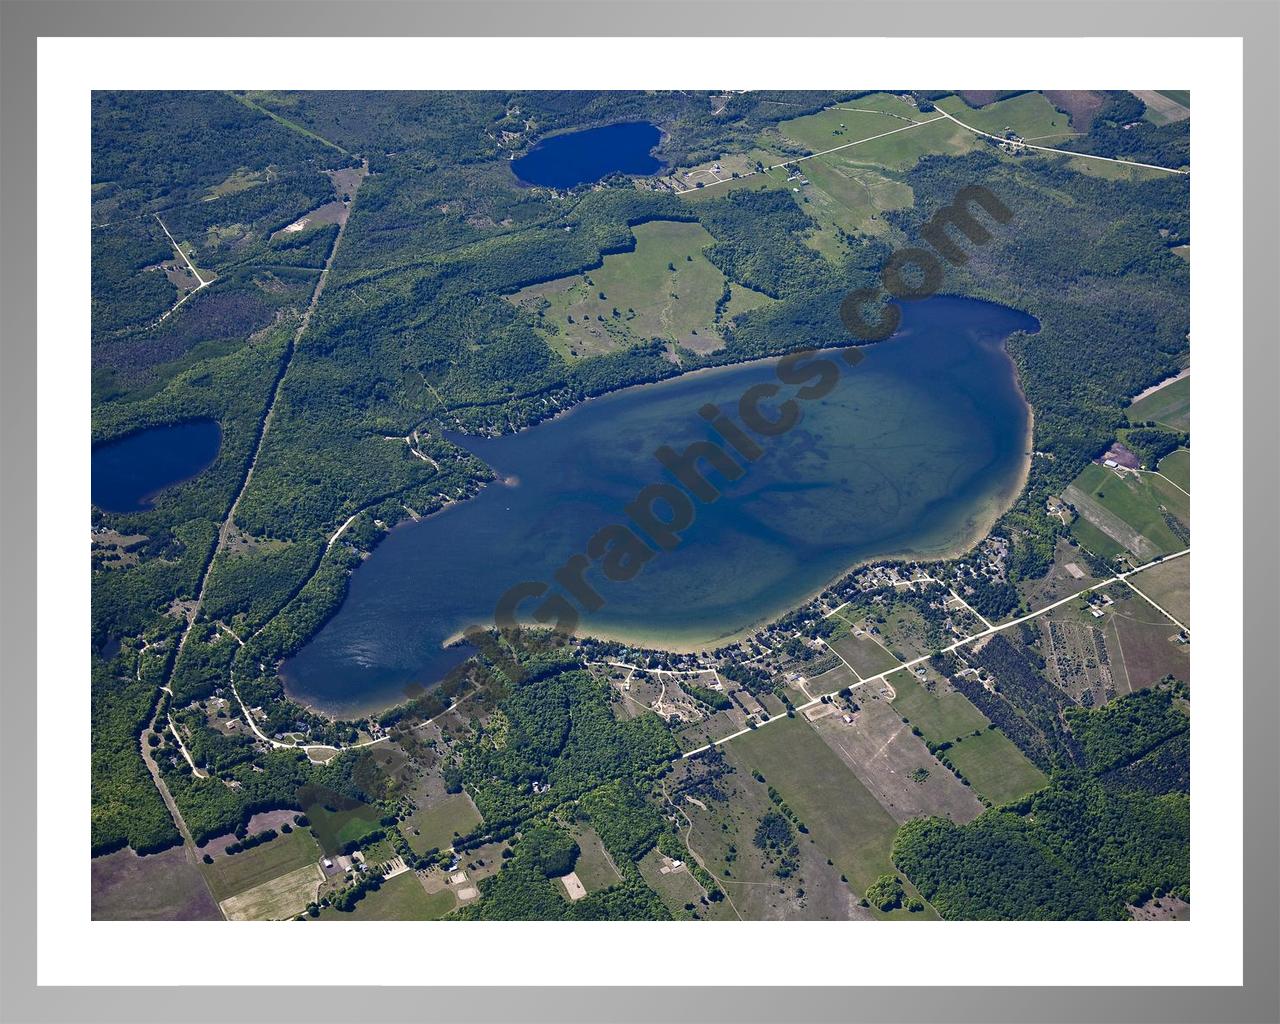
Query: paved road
[(1163, 611), (833, 149), (1064, 152), (225, 530), (1118, 578)]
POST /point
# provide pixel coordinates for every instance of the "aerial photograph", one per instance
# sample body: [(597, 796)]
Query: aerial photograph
[(700, 505)]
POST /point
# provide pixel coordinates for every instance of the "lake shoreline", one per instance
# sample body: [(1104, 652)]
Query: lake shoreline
[(985, 520), (950, 539)]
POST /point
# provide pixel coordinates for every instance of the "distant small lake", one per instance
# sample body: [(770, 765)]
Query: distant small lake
[(129, 473), (913, 454), (575, 158)]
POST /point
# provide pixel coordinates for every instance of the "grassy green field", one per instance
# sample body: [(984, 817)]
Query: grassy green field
[(231, 874), (1177, 467), (992, 763), (1030, 115), (665, 288), (940, 715), (869, 116), (1127, 510), (436, 825), (1089, 536), (594, 868), (854, 195), (1170, 406), (1169, 586), (1108, 169), (676, 888), (400, 899), (864, 655), (843, 817), (901, 151), (1182, 96), (995, 767), (1172, 497), (904, 632), (850, 122)]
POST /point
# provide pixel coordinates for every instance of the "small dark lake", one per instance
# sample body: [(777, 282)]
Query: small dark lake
[(575, 158), (129, 473), (914, 453)]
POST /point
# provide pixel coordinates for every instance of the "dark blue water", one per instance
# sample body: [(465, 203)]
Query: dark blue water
[(575, 158), (913, 453), (128, 474)]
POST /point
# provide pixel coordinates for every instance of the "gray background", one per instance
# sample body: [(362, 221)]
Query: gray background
[(22, 22)]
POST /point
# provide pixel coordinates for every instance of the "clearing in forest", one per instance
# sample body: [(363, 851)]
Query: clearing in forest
[(665, 288)]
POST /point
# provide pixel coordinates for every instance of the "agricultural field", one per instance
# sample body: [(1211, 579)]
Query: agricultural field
[(763, 883), (230, 874), (1081, 105), (1030, 116), (1169, 586), (1170, 407), (594, 867), (436, 826), (1078, 657), (843, 817), (276, 899), (665, 288), (850, 196), (860, 130), (863, 653), (940, 711), (163, 886), (892, 762), (995, 767), (1126, 512), (1147, 643), (401, 898), (1165, 106), (1176, 466), (850, 122)]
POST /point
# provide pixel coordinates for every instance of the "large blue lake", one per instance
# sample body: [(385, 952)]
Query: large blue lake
[(129, 473), (914, 452), (575, 158)]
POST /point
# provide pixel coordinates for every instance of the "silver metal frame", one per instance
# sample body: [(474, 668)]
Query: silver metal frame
[(1258, 23)]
